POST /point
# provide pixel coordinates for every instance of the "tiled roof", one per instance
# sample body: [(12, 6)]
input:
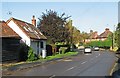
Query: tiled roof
[(94, 35), (30, 30), (6, 31), (105, 34)]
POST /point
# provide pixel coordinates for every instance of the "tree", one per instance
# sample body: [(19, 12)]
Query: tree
[(73, 32), (76, 36), (69, 29), (51, 24), (84, 36), (118, 35)]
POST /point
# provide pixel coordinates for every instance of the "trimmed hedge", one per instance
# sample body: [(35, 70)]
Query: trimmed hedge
[(106, 43)]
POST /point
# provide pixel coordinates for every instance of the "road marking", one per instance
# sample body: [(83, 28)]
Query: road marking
[(99, 55), (96, 56), (52, 76), (84, 62), (70, 68)]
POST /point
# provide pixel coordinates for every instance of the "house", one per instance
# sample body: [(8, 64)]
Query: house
[(92, 37), (10, 43), (103, 36), (29, 33)]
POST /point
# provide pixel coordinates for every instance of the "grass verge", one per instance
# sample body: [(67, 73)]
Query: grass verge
[(41, 59), (61, 55)]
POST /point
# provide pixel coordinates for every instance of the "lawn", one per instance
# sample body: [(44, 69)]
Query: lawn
[(61, 55)]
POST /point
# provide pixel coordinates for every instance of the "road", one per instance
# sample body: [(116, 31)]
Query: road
[(95, 64)]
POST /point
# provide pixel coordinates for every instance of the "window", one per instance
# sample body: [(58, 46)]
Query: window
[(41, 44), (25, 28), (36, 32), (40, 33), (30, 29)]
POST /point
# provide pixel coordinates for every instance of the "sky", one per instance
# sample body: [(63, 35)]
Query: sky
[(86, 16)]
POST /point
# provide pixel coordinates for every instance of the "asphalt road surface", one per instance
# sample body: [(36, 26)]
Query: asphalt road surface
[(99, 63)]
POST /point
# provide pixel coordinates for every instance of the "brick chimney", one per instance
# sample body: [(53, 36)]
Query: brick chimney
[(33, 21), (107, 29)]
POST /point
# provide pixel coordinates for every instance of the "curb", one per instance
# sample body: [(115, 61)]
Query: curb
[(9, 72), (113, 68)]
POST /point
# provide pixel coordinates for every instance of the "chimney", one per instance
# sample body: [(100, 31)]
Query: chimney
[(107, 29), (33, 21)]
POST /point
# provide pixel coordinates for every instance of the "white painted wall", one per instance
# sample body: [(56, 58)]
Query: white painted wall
[(24, 37), (34, 46)]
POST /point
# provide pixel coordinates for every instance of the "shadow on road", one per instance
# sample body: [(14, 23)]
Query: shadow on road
[(116, 73)]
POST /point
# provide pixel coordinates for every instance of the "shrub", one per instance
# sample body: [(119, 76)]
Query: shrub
[(62, 49), (59, 46), (105, 44), (31, 55), (23, 52)]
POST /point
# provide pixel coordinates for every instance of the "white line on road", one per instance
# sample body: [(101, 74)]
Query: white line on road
[(70, 68), (83, 62), (52, 76), (96, 56), (99, 55)]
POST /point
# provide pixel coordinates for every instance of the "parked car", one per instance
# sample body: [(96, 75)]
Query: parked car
[(87, 50), (81, 48), (96, 48)]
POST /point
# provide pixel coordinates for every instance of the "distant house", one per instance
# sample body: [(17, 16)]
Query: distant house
[(103, 36), (10, 42), (92, 37), (29, 33)]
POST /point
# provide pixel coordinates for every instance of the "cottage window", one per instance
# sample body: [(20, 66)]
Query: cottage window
[(41, 44), (25, 28), (30, 29), (40, 33)]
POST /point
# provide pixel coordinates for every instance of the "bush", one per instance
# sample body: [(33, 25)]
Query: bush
[(23, 52), (31, 55), (59, 46), (62, 49), (105, 44)]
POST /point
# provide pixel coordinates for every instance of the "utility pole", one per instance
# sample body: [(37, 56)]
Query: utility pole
[(71, 46)]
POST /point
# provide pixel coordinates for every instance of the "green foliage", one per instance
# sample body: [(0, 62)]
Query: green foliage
[(62, 49), (31, 55), (73, 33), (106, 43), (23, 52), (51, 24), (60, 43), (61, 55), (118, 35)]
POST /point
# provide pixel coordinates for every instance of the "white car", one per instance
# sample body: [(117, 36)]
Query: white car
[(96, 48), (87, 50)]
